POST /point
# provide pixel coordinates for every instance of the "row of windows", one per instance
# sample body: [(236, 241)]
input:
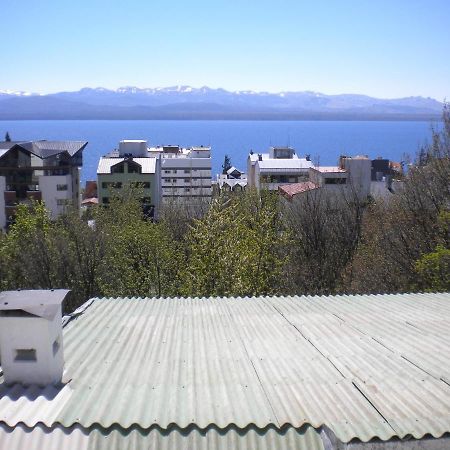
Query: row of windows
[(185, 190), (118, 184), (283, 178), (182, 170), (61, 187), (145, 200)]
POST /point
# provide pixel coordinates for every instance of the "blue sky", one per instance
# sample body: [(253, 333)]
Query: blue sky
[(384, 48)]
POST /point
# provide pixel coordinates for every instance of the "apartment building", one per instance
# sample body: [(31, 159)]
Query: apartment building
[(278, 167), (130, 165), (185, 173), (349, 180), (39, 170)]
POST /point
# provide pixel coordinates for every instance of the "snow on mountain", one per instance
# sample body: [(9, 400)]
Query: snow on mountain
[(16, 93), (191, 99)]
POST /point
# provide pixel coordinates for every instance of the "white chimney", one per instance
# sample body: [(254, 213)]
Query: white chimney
[(31, 345)]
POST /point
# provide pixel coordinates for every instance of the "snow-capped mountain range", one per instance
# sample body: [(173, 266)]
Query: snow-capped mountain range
[(186, 102)]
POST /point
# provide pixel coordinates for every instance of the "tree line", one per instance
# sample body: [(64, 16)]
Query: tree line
[(245, 244)]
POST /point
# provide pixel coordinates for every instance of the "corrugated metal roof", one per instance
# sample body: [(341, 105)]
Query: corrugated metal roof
[(364, 366), (155, 439), (295, 164), (148, 165)]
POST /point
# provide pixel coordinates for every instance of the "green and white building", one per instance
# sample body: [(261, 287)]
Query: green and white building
[(130, 165)]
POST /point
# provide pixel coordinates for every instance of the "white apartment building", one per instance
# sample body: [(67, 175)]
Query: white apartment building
[(351, 180), (278, 167), (39, 170), (185, 173)]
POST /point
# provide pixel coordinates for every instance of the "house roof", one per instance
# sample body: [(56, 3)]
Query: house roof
[(45, 149), (269, 165), (329, 169), (290, 190), (148, 165), (365, 367)]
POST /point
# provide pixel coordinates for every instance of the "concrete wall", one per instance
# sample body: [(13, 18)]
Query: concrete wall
[(55, 200), (136, 148), (359, 175)]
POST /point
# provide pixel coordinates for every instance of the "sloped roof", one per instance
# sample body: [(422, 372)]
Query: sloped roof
[(367, 366), (45, 149), (148, 165), (267, 165), (290, 190)]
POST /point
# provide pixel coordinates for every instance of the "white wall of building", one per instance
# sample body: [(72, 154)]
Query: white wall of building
[(135, 148), (54, 196), (186, 176)]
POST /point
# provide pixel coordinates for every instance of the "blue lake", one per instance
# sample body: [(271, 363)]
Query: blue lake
[(323, 140)]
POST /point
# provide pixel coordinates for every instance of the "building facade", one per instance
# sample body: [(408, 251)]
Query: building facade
[(185, 173), (39, 170), (129, 166), (278, 167)]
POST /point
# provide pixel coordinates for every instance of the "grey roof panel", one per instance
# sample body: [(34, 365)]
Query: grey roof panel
[(76, 438), (365, 366)]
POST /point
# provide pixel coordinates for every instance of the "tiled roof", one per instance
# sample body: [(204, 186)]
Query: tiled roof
[(290, 190), (368, 366)]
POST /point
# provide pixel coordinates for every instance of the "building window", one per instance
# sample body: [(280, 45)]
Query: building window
[(61, 187), (335, 180), (25, 354), (134, 167), (187, 189), (117, 168), (187, 171), (111, 184), (167, 171), (187, 180)]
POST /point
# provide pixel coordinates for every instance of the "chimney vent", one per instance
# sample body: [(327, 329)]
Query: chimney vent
[(31, 346)]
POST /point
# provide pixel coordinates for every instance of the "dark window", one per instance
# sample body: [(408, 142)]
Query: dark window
[(133, 167), (117, 168), (25, 354), (61, 187), (335, 180)]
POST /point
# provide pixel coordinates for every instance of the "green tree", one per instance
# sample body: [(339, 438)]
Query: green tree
[(433, 270), (236, 249)]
